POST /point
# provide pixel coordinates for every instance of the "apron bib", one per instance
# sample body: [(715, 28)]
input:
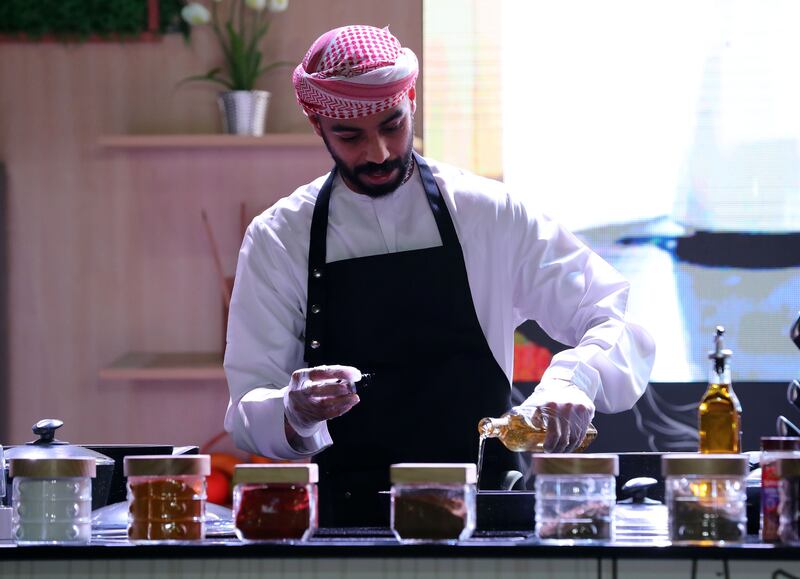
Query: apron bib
[(408, 318)]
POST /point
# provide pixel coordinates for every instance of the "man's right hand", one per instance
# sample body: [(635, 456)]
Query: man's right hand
[(315, 395)]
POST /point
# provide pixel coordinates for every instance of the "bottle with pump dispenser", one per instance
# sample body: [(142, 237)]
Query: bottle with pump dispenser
[(720, 413)]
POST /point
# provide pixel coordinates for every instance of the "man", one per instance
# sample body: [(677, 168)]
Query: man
[(417, 273)]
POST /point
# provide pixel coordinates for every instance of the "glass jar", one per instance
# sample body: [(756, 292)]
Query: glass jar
[(773, 448), (433, 502), (706, 497), (52, 500), (788, 471), (575, 497), (275, 502), (167, 497)]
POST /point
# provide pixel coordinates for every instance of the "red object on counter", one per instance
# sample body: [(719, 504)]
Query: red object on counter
[(772, 448), (218, 488), (275, 511)]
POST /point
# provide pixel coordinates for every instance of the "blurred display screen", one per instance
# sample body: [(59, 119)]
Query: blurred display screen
[(667, 136)]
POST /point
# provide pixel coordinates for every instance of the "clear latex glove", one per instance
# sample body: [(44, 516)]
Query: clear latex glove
[(315, 395), (563, 409)]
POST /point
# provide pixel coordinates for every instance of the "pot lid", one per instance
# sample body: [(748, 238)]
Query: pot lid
[(48, 446)]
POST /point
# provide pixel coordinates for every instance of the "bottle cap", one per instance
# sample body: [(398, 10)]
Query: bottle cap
[(719, 352), (160, 465), (433, 472), (275, 473), (776, 443), (576, 464), (705, 464), (52, 467)]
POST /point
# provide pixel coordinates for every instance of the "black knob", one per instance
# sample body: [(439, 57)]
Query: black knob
[(46, 430), (637, 488)]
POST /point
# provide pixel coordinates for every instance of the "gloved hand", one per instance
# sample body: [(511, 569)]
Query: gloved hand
[(563, 409), (315, 395)]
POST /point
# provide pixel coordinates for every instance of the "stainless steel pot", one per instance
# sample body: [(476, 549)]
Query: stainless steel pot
[(47, 446)]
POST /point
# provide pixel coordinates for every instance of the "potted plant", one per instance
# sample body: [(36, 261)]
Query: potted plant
[(239, 26)]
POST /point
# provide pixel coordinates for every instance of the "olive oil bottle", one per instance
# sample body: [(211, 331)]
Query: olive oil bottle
[(720, 413), (519, 434)]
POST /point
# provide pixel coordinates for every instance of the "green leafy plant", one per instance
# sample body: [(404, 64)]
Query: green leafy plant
[(78, 20), (240, 27)]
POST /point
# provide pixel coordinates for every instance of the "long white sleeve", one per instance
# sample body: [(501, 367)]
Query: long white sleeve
[(579, 300), (522, 265)]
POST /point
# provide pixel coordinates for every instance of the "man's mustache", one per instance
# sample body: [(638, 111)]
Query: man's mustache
[(384, 167)]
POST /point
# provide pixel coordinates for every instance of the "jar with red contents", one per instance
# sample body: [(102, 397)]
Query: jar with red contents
[(772, 449), (275, 502)]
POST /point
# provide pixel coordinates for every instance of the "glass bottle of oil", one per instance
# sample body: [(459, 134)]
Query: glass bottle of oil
[(720, 412), (519, 434)]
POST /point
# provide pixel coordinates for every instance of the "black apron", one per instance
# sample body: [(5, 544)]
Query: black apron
[(408, 318)]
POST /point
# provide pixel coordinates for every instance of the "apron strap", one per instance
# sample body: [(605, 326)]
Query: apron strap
[(444, 222), (317, 255)]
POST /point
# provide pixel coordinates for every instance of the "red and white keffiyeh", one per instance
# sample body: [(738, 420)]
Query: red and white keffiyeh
[(354, 71)]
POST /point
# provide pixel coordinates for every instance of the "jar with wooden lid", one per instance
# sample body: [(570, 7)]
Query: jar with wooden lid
[(706, 497), (166, 497), (575, 497), (275, 502), (52, 500), (433, 502)]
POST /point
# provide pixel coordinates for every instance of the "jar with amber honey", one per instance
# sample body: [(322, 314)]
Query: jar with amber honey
[(166, 497), (275, 502)]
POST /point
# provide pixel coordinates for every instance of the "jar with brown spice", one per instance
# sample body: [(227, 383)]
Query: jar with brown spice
[(275, 502), (166, 497), (433, 502)]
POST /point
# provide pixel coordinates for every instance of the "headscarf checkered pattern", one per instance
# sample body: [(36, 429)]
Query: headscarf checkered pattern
[(353, 72)]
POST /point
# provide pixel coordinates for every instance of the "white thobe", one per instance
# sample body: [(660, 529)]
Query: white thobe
[(521, 265)]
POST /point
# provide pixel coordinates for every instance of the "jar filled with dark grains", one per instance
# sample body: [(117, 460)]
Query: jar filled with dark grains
[(275, 502), (167, 497), (575, 497), (706, 497), (433, 502)]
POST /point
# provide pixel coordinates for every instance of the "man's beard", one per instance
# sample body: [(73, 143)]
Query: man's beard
[(404, 164)]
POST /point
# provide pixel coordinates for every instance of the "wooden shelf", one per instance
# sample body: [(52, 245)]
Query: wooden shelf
[(166, 366), (208, 141)]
